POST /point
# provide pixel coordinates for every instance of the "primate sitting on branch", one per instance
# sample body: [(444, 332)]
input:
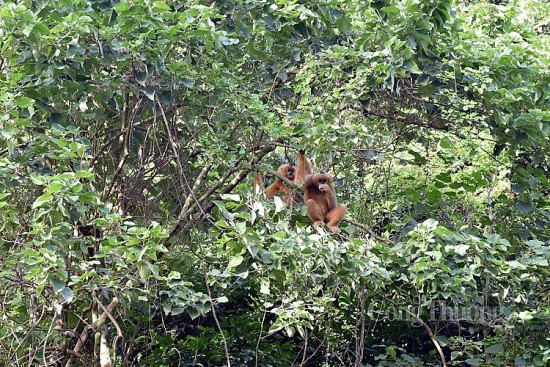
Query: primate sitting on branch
[(320, 198)]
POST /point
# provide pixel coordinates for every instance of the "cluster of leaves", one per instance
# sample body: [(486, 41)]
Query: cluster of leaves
[(129, 132)]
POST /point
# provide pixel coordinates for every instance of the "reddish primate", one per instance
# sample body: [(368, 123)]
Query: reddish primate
[(278, 188), (294, 174), (320, 198)]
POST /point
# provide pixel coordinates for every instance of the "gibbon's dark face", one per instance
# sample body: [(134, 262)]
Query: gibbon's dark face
[(323, 183)]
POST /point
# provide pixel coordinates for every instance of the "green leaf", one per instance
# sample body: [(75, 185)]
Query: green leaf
[(187, 82), (279, 204), (391, 10), (58, 285), (344, 25), (474, 361), (149, 92), (193, 312), (443, 340), (122, 7), (41, 29), (37, 180), (455, 354), (54, 187), (241, 227), (445, 143), (223, 210), (461, 249), (264, 286), (443, 177), (42, 199), (154, 268), (523, 206), (253, 250), (233, 197), (423, 24), (67, 294), (495, 349), (24, 102), (144, 271), (160, 6), (235, 261), (412, 67)]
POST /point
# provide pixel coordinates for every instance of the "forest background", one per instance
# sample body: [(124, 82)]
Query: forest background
[(130, 231)]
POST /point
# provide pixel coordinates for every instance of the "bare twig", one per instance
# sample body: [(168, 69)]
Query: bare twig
[(184, 215), (195, 187), (408, 121), (182, 221), (285, 180), (260, 338), (214, 313), (430, 333), (83, 337), (174, 147), (126, 149), (304, 355), (367, 229), (115, 323), (360, 342)]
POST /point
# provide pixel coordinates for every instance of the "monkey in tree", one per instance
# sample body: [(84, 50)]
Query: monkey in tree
[(295, 174), (322, 205)]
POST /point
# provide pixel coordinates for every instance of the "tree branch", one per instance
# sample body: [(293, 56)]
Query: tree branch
[(430, 333), (408, 121), (88, 330), (126, 149), (182, 221), (367, 229)]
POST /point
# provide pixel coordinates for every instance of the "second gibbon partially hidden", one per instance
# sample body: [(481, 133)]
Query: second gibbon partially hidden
[(295, 174)]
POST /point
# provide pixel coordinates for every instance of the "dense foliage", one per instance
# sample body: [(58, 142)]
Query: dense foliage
[(130, 231)]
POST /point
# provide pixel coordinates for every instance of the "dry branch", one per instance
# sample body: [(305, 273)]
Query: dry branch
[(408, 121), (223, 186), (89, 329)]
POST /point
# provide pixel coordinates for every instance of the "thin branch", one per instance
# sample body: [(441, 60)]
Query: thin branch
[(214, 313), (430, 333), (408, 121), (490, 197), (115, 323), (367, 229), (185, 214), (360, 342), (182, 221), (174, 147), (304, 355), (88, 330), (285, 180), (260, 338), (196, 185), (126, 151)]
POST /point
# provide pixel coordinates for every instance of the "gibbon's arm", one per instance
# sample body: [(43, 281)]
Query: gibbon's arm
[(302, 168), (332, 200)]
